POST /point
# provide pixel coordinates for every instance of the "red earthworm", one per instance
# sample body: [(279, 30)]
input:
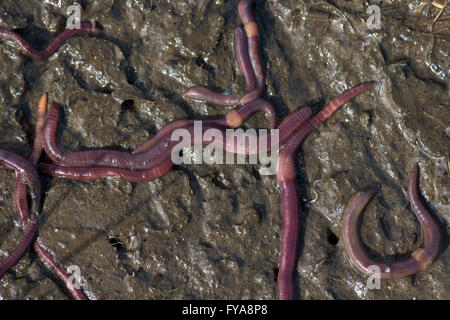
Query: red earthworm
[(420, 258), (249, 62), (21, 204), (112, 158), (92, 173), (286, 180), (238, 116), (137, 161), (27, 49), (27, 173), (21, 248), (20, 190), (162, 167), (251, 29), (243, 59), (233, 119), (205, 94), (293, 121), (47, 258), (287, 127)]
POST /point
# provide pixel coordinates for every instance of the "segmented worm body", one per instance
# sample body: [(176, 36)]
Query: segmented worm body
[(246, 12), (247, 55), (243, 58), (21, 204), (27, 174), (150, 153), (294, 120), (286, 180), (27, 49), (420, 258), (232, 120)]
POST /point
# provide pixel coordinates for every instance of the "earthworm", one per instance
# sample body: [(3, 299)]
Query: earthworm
[(286, 180), (236, 117), (205, 94), (20, 189), (420, 258), (21, 248), (48, 259), (247, 55), (21, 204), (91, 173), (294, 120), (243, 59), (45, 256), (246, 13), (288, 125), (112, 158), (147, 158), (27, 49), (156, 171), (28, 173), (233, 119)]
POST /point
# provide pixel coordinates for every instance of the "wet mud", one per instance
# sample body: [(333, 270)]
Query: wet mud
[(213, 231)]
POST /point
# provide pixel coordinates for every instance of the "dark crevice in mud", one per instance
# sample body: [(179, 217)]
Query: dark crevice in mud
[(119, 246), (386, 227), (261, 211), (317, 104), (334, 4), (82, 83), (332, 238), (185, 210), (193, 183), (82, 3), (205, 244), (275, 274), (303, 189), (378, 172), (219, 183), (443, 85), (122, 251), (155, 225), (384, 54), (127, 106), (127, 67), (202, 63), (23, 118), (255, 173), (37, 37), (132, 78), (31, 74), (117, 10)]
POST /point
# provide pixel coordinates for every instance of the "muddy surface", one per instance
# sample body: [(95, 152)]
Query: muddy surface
[(213, 231)]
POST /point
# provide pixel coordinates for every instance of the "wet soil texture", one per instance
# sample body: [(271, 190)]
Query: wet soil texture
[(213, 231)]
